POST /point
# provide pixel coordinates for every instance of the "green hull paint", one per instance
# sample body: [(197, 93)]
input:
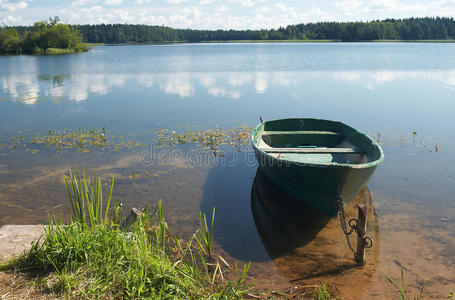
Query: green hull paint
[(316, 179)]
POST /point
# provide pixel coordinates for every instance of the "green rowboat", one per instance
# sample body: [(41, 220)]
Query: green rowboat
[(316, 161)]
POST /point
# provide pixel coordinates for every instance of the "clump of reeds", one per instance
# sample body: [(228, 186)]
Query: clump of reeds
[(94, 257)]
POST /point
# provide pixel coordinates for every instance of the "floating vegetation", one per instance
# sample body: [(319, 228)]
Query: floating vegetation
[(404, 140), (79, 140), (146, 174), (208, 140)]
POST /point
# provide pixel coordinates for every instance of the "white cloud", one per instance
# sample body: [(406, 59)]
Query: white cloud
[(12, 5), (178, 84), (12, 20), (207, 80), (247, 3), (221, 92), (213, 14), (261, 82), (113, 2), (281, 6), (385, 4), (175, 1), (77, 3), (264, 9), (222, 8), (352, 7)]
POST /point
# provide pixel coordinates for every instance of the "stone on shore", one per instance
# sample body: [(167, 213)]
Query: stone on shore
[(15, 239)]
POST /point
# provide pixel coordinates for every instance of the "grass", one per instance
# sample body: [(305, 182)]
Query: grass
[(400, 286), (94, 44), (54, 51), (321, 293), (94, 257), (87, 195)]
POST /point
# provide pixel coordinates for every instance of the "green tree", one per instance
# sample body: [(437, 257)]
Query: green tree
[(52, 34), (10, 40)]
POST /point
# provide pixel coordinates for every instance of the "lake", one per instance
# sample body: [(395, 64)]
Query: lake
[(401, 94)]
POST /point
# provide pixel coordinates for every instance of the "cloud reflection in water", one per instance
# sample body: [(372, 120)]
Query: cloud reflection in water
[(28, 88)]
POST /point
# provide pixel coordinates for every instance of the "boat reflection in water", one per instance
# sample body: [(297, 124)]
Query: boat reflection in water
[(282, 222), (304, 244)]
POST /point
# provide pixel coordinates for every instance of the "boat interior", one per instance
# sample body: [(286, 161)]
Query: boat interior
[(312, 147)]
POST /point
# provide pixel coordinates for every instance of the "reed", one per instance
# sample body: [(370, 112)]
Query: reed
[(400, 286), (86, 197), (205, 240)]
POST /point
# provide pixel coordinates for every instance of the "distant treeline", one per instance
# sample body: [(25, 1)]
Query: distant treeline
[(45, 37), (389, 29)]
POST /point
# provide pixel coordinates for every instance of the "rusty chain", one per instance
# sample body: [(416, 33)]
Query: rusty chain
[(340, 208), (367, 241)]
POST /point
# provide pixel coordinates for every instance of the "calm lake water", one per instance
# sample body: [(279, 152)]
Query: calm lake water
[(400, 93)]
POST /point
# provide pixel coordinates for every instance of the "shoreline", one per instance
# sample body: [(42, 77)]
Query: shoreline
[(273, 42)]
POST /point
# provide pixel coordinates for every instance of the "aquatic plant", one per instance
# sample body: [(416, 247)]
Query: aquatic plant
[(400, 286), (205, 240), (80, 140), (87, 195), (207, 140), (403, 141), (321, 293)]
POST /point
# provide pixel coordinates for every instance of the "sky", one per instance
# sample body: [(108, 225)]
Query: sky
[(217, 14)]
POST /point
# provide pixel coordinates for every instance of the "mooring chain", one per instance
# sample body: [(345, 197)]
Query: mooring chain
[(340, 208), (367, 241)]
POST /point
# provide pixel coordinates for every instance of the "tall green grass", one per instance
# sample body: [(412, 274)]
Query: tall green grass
[(93, 257), (86, 197)]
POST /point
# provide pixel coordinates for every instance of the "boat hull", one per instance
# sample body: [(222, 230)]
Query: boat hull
[(316, 187), (317, 184)]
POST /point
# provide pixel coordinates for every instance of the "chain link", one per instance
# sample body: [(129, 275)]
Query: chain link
[(340, 208), (367, 241)]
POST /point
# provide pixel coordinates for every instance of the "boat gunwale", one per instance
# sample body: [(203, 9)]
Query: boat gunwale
[(321, 165)]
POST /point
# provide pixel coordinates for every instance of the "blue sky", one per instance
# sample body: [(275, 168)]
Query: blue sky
[(214, 14)]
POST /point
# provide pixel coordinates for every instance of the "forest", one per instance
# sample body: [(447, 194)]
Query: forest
[(44, 37), (389, 29), (43, 34)]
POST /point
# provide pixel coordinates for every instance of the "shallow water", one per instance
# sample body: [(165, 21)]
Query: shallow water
[(386, 90)]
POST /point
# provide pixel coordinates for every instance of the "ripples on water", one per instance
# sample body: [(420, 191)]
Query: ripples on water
[(391, 89)]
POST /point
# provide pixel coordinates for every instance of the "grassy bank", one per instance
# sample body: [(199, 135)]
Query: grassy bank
[(53, 51), (94, 44), (101, 254)]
